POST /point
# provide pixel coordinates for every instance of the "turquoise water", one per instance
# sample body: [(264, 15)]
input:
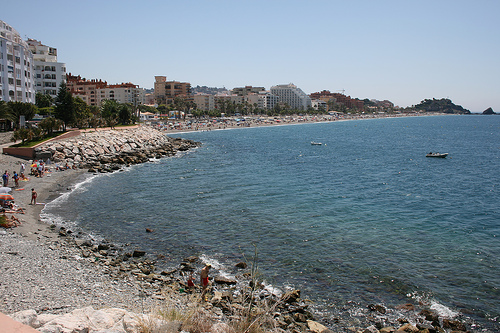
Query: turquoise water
[(364, 218)]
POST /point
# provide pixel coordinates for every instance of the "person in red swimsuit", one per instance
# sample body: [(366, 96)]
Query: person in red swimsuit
[(204, 279)]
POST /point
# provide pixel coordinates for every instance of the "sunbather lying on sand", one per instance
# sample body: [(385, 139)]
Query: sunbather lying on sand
[(9, 222)]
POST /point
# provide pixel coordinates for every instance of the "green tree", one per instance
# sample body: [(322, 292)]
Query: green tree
[(64, 106), (4, 110), (109, 112), (95, 118), (18, 109), (49, 125), (43, 100), (23, 134), (162, 109), (125, 114), (82, 113)]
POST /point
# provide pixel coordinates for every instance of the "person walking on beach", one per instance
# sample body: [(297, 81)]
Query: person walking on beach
[(5, 178), (204, 279), (33, 196)]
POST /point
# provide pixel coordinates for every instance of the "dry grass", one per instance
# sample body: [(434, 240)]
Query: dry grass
[(185, 309), (198, 322)]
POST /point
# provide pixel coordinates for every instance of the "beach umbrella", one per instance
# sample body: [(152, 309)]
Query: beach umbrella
[(5, 189), (6, 197)]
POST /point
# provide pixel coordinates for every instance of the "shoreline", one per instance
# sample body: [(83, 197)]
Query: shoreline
[(232, 123), (34, 230), (64, 181)]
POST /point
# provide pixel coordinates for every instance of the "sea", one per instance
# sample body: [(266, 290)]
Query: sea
[(364, 218)]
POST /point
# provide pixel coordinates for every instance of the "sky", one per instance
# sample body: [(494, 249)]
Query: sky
[(401, 50)]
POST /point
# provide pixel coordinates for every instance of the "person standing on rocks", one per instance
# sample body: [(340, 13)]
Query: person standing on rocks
[(33, 196), (204, 279)]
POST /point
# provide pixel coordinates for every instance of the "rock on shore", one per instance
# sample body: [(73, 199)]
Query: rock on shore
[(108, 150)]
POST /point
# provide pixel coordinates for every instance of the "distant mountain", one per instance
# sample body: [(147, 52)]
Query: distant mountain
[(488, 111), (443, 105), (208, 90)]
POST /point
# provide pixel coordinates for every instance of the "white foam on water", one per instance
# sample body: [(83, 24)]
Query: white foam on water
[(443, 311), (78, 188), (211, 261), (272, 289)]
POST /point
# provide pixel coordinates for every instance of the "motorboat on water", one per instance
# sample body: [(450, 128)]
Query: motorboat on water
[(441, 155), (316, 143)]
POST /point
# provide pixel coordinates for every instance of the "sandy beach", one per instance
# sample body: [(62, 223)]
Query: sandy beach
[(191, 125)]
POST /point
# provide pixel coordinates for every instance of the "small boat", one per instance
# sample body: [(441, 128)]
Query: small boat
[(441, 155), (316, 143)]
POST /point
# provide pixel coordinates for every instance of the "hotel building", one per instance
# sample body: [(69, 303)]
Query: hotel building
[(48, 72), (291, 95), (16, 67)]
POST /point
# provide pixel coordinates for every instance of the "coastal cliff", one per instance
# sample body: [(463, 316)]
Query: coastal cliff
[(109, 150)]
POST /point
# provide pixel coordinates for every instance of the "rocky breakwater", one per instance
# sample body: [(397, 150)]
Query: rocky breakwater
[(110, 150)]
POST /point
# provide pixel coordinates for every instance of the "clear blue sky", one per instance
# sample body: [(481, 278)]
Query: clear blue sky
[(400, 50)]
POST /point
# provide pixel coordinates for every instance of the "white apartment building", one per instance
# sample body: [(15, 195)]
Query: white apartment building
[(125, 93), (16, 67), (263, 100), (48, 72), (291, 95)]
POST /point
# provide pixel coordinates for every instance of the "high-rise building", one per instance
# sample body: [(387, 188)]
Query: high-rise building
[(291, 95), (16, 67), (48, 72)]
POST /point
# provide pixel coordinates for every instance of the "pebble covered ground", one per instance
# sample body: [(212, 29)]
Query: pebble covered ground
[(53, 277)]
